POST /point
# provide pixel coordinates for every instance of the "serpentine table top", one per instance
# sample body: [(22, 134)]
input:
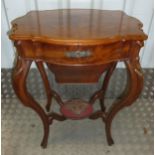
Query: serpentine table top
[(77, 27)]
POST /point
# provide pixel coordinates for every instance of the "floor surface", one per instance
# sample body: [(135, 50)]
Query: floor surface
[(132, 131)]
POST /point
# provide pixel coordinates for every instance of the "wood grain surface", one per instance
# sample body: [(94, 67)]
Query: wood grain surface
[(77, 27)]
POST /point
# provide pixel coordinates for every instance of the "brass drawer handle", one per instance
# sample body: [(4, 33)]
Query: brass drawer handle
[(78, 54)]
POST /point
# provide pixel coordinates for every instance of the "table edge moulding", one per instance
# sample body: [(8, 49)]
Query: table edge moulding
[(77, 45)]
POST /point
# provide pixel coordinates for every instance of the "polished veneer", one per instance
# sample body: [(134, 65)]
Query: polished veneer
[(77, 45)]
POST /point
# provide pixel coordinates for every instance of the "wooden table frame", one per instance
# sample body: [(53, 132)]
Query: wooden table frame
[(31, 51)]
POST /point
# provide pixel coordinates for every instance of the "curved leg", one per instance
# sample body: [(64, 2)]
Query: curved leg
[(49, 92), (134, 88), (19, 83), (105, 85), (46, 84), (101, 93)]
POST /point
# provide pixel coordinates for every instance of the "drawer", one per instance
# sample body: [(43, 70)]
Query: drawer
[(76, 55), (76, 64)]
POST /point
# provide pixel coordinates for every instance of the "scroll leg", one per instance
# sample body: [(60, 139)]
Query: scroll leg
[(19, 83), (105, 85), (46, 84), (101, 93), (134, 88)]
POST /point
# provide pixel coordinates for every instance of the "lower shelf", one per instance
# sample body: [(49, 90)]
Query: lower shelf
[(76, 109)]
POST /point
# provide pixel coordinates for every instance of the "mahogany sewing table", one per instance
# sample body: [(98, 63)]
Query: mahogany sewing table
[(77, 46)]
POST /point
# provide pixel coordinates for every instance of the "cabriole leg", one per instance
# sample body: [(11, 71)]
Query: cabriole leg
[(46, 84), (134, 88), (105, 85), (19, 83)]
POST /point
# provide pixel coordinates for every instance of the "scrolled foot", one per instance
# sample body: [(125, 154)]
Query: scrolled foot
[(110, 141), (44, 144)]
